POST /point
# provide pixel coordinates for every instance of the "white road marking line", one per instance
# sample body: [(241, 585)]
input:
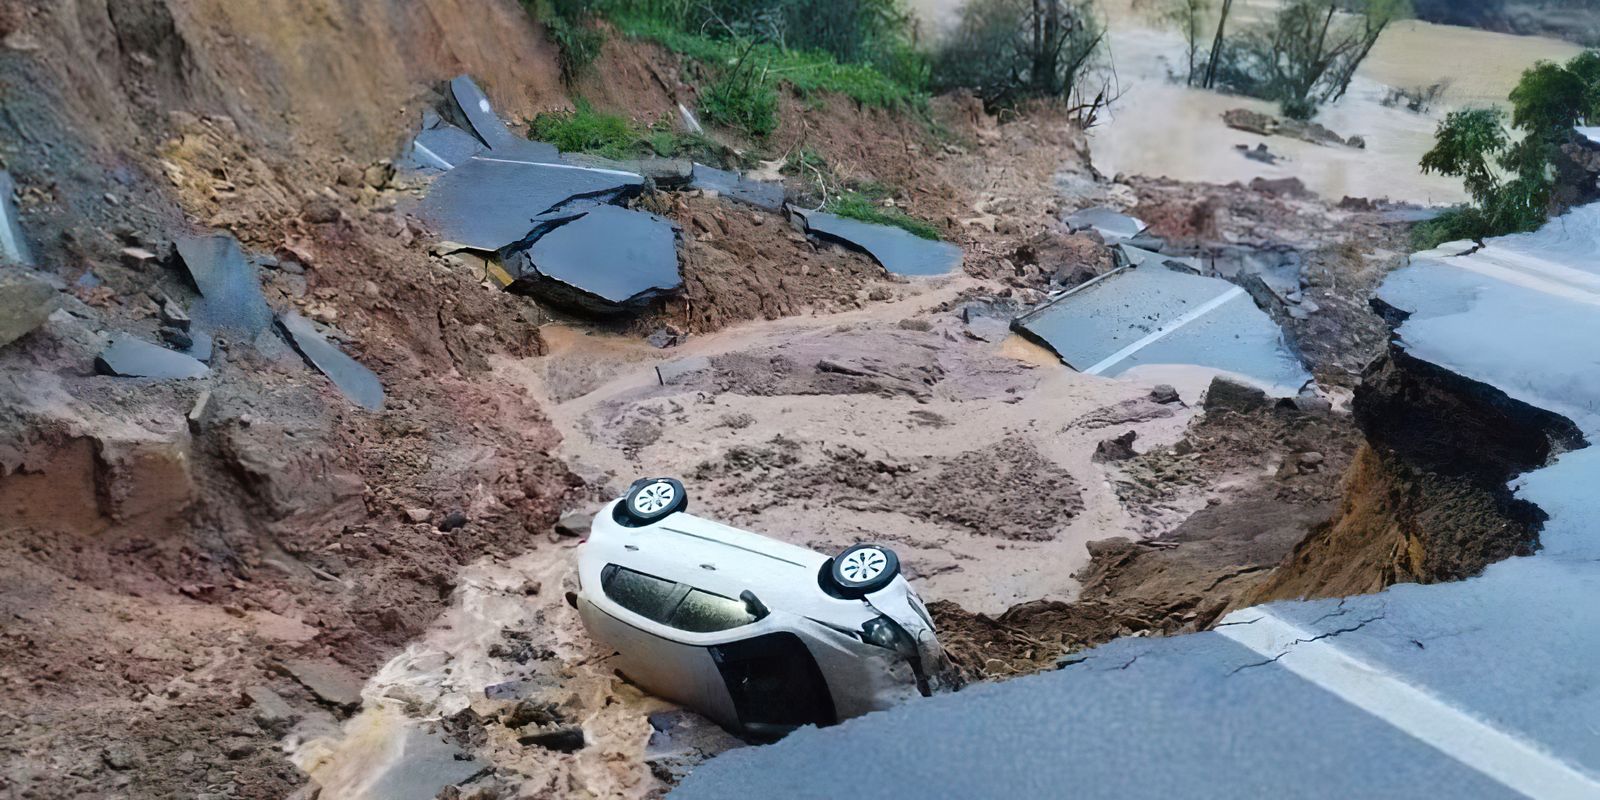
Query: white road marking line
[(1519, 764), (561, 166), (1162, 332), (443, 164)]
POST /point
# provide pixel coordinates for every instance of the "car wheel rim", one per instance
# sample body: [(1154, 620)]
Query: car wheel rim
[(863, 565), (654, 497)]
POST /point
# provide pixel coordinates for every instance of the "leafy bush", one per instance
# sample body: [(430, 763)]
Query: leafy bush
[(1010, 50), (875, 32), (1511, 179)]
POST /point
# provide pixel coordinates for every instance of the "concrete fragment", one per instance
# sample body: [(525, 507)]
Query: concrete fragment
[(197, 413), (173, 314), (230, 291), (732, 185), (137, 258), (26, 301), (897, 250), (128, 357), (13, 245), (489, 204), (1164, 393), (330, 681), (354, 380), (608, 260), (1112, 225)]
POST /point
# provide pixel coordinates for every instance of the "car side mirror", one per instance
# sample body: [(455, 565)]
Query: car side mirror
[(754, 605)]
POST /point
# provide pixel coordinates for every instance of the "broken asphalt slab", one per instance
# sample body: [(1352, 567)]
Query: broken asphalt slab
[(488, 126), (356, 381), (330, 681), (732, 185), (899, 251), (606, 260), (1113, 226), (443, 146), (230, 290), (488, 204), (13, 245), (1155, 315), (128, 357), (26, 301)]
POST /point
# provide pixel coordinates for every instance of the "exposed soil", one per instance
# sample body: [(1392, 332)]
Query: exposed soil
[(200, 576)]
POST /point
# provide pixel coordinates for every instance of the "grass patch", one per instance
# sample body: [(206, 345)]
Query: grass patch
[(806, 72), (742, 98), (1452, 225), (856, 205), (585, 130)]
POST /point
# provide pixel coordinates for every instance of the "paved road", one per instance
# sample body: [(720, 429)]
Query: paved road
[(1485, 688)]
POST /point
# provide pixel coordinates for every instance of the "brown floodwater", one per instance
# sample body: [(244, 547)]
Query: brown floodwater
[(1161, 128)]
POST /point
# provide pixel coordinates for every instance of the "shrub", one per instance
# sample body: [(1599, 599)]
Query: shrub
[(571, 25), (584, 130)]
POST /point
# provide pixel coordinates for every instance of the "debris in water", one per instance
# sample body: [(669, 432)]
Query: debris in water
[(13, 245), (356, 381), (608, 259), (1156, 315), (899, 251), (127, 357), (230, 292), (489, 204)]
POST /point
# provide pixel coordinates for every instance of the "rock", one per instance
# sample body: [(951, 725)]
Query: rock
[(1310, 459), (418, 515), (270, 711), (197, 413), (330, 681), (1118, 448), (574, 524), (1229, 395), (665, 336), (26, 302), (378, 175), (453, 520), (119, 757), (177, 338), (173, 315), (1164, 393), (1307, 404), (137, 258), (529, 712), (505, 690), (566, 739)]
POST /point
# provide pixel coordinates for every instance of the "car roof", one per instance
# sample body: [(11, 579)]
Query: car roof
[(724, 560)]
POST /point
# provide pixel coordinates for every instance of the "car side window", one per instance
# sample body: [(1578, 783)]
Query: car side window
[(704, 612), (645, 595)]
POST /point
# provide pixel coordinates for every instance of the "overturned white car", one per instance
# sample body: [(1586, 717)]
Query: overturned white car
[(759, 635)]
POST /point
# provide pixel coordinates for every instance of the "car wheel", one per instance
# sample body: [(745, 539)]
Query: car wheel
[(863, 569), (651, 500)]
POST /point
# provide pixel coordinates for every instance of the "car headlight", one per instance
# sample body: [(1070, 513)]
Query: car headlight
[(885, 633)]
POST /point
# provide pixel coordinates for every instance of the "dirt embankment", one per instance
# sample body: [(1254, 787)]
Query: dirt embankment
[(1427, 498)]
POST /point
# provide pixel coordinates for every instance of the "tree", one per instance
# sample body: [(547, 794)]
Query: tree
[(1216, 46), (1009, 50), (1188, 16)]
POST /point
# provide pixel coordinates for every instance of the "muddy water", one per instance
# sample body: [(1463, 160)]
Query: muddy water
[(1160, 128)]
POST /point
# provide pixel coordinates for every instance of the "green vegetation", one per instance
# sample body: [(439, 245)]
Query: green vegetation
[(571, 24), (1510, 172), (742, 98), (862, 206), (1011, 50), (585, 130), (806, 71)]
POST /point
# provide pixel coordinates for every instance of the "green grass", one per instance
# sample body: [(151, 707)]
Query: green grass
[(856, 205), (806, 72), (585, 130), (742, 99)]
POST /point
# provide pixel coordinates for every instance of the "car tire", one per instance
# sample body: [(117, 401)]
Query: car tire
[(863, 569), (650, 500)]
